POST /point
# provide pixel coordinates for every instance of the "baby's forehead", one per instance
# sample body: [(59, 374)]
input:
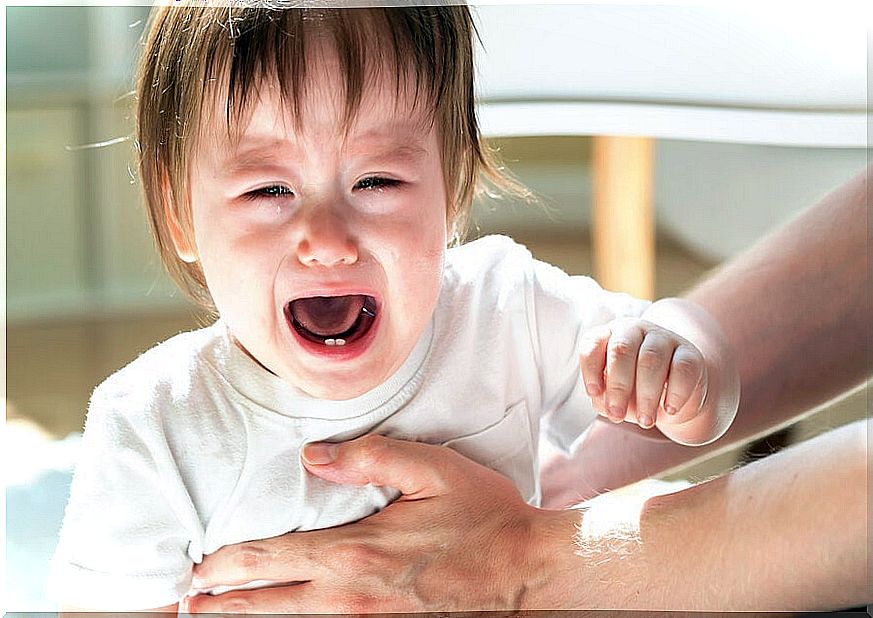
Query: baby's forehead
[(383, 125), (319, 111)]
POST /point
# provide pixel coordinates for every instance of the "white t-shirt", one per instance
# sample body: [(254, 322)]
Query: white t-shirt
[(194, 446)]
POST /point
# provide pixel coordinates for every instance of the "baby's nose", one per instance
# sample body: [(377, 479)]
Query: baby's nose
[(326, 240)]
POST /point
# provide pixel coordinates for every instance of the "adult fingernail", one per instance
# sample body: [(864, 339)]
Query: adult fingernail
[(670, 410), (616, 414), (593, 389), (320, 453), (646, 421)]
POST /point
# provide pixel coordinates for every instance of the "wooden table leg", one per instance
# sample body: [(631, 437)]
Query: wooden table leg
[(623, 230)]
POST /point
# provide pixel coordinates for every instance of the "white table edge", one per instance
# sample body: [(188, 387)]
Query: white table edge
[(777, 127)]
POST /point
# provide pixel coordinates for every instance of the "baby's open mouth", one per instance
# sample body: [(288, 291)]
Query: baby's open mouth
[(332, 320)]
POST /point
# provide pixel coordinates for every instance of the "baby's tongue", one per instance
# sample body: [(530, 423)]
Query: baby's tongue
[(327, 315)]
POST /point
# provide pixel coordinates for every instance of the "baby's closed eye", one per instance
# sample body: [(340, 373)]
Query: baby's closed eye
[(270, 192), (373, 183)]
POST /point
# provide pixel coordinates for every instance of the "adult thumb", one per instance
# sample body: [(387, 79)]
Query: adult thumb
[(415, 469)]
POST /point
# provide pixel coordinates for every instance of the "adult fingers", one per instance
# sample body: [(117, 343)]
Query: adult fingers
[(653, 365), (306, 598), (414, 555), (286, 558), (686, 376), (416, 470), (621, 362)]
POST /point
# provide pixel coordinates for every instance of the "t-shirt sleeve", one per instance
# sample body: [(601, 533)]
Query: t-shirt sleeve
[(127, 527), (564, 307)]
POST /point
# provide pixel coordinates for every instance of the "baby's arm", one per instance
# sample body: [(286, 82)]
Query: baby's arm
[(671, 368)]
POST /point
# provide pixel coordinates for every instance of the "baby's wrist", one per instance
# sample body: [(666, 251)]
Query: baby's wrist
[(716, 410), (718, 405)]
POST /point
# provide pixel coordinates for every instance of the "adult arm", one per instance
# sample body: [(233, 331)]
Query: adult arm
[(795, 307), (786, 532)]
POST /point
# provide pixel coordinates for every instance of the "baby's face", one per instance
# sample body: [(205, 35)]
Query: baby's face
[(323, 254)]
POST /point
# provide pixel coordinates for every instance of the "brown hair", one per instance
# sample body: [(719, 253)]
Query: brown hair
[(188, 50)]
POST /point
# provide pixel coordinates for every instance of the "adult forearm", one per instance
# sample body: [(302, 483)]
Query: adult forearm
[(796, 307), (788, 532), (745, 541)]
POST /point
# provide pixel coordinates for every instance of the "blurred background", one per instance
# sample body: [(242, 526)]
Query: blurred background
[(86, 293)]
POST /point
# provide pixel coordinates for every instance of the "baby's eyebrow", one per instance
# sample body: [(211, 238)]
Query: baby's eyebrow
[(388, 142), (404, 152), (251, 159), (259, 154)]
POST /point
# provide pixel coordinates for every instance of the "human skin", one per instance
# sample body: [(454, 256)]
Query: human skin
[(671, 369), (722, 545), (796, 306), (814, 271), (295, 210)]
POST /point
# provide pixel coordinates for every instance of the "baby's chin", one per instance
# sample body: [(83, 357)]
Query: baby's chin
[(341, 381), (339, 389)]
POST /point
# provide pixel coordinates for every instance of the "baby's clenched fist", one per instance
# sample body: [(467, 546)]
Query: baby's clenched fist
[(640, 372)]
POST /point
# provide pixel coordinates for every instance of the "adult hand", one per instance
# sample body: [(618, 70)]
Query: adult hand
[(460, 537)]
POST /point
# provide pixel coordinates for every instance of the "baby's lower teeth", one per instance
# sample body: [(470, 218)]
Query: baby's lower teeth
[(334, 342)]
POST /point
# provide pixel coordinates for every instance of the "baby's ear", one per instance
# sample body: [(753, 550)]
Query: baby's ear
[(185, 248)]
